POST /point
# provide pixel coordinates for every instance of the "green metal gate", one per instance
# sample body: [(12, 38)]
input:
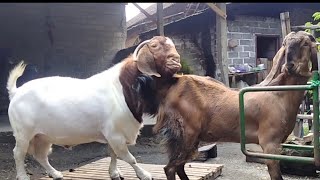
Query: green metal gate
[(314, 86)]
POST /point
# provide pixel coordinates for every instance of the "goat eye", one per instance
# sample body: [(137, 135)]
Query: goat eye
[(306, 44), (154, 45)]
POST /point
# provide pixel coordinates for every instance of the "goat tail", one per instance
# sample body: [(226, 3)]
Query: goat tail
[(170, 129), (15, 73)]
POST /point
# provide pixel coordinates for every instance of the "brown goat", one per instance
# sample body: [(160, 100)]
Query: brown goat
[(194, 108)]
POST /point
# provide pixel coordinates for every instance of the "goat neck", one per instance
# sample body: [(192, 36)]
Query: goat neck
[(128, 75)]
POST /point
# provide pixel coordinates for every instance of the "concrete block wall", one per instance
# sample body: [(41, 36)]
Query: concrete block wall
[(66, 39), (243, 30)]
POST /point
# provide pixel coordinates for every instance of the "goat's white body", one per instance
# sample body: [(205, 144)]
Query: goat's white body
[(67, 111), (73, 111)]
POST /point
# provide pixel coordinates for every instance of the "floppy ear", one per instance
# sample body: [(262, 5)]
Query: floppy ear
[(146, 63), (145, 60), (314, 57), (278, 60)]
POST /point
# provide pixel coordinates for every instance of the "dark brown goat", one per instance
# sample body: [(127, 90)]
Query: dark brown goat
[(194, 108)]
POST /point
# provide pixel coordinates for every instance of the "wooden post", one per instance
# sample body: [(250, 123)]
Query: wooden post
[(221, 30), (160, 19), (285, 24), (287, 20)]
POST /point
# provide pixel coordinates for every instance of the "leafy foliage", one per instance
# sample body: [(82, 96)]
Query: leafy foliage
[(316, 17), (185, 68)]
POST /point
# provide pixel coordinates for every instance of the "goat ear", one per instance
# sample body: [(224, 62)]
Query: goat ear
[(314, 57), (145, 60), (278, 60), (146, 64)]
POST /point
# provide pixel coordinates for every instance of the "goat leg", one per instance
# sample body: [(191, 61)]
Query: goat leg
[(170, 171), (273, 165), (181, 172)]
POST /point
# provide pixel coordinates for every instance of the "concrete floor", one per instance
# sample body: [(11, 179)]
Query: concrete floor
[(5, 124)]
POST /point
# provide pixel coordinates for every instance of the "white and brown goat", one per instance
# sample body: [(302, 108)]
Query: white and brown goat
[(192, 108), (102, 108)]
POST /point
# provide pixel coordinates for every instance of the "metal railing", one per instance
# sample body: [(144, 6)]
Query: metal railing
[(314, 86)]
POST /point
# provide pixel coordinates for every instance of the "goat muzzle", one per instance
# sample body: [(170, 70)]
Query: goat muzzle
[(173, 62)]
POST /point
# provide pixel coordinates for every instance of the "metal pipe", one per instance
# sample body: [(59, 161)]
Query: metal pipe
[(306, 160), (242, 121), (316, 119), (276, 88), (316, 126), (298, 147)]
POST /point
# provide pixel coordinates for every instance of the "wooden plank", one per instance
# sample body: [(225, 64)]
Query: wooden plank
[(220, 12), (100, 170), (160, 19), (221, 30)]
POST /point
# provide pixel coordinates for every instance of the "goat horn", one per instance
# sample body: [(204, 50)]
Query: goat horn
[(135, 53)]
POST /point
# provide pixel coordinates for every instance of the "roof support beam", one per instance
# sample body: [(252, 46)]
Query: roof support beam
[(160, 28), (144, 12), (217, 10)]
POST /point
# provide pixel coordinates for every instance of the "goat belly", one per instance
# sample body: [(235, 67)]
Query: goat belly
[(67, 111)]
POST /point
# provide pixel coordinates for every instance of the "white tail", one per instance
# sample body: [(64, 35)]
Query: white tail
[(15, 73)]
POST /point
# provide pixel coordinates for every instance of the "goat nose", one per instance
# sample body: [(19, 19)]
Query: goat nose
[(175, 57)]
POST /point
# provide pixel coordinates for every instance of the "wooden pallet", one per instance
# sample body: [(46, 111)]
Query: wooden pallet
[(98, 170)]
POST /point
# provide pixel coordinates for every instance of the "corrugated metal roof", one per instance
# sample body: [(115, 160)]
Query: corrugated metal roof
[(151, 10)]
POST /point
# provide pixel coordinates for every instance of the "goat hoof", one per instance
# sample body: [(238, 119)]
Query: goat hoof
[(146, 178), (23, 178), (118, 178), (56, 175)]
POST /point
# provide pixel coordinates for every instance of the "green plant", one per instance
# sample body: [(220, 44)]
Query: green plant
[(316, 18), (185, 68)]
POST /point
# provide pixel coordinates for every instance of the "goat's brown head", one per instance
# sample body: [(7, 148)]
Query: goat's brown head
[(298, 51), (157, 56)]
